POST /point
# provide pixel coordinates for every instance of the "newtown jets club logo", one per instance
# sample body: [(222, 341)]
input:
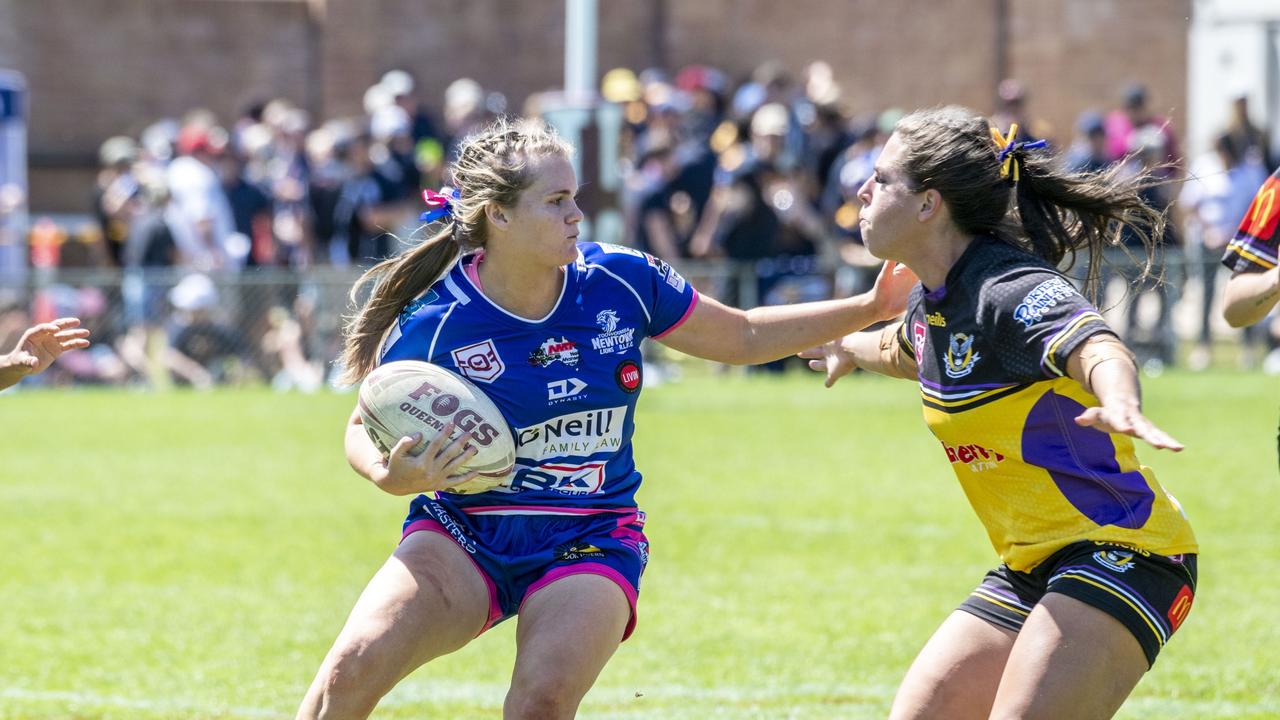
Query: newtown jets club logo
[(612, 340), (960, 357), (562, 349)]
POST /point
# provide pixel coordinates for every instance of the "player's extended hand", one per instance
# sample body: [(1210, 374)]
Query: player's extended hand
[(1128, 420), (893, 286), (41, 344), (437, 467), (830, 358)]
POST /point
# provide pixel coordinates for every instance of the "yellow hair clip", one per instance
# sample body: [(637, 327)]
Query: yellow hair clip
[(1009, 147)]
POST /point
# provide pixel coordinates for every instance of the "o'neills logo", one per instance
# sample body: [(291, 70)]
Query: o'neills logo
[(976, 457), (577, 434)]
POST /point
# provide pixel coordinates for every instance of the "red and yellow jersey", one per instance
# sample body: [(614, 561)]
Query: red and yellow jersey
[(1256, 245), (991, 348)]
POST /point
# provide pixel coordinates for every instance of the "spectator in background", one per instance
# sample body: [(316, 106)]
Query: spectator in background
[(1155, 346), (1135, 117), (251, 210), (1088, 150), (39, 346), (202, 350), (1252, 142), (1217, 194), (1011, 109), (363, 212), (115, 186), (199, 213)]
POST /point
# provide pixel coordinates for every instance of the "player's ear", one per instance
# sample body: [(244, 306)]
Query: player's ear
[(930, 205), (496, 215)]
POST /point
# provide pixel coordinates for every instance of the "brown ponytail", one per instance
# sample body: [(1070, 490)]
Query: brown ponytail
[(1048, 212)]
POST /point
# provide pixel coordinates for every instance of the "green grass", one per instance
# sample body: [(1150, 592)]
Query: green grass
[(193, 555)]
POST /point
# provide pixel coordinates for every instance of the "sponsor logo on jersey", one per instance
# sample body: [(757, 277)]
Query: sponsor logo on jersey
[(479, 361), (918, 335), (935, 319), (1041, 298), (612, 339), (577, 551), (565, 478), (666, 272), (562, 349), (960, 357), (628, 375), (976, 457), (1118, 560), (579, 434), (559, 391), (426, 298), (1181, 606)]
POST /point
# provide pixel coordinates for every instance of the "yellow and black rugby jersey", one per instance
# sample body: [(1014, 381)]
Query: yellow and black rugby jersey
[(991, 349), (1256, 245)]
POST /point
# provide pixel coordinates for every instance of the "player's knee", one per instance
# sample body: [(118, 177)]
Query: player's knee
[(346, 687), (547, 698)]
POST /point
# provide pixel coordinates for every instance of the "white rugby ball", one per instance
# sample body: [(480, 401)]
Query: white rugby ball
[(402, 397)]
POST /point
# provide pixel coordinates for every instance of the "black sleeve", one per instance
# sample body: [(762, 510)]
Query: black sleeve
[(1040, 318)]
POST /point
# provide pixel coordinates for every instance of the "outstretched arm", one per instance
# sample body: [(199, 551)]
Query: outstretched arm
[(1105, 367), (39, 346), (1250, 296), (743, 337), (877, 352)]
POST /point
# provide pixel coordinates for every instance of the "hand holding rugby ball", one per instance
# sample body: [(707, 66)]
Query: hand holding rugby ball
[(404, 397)]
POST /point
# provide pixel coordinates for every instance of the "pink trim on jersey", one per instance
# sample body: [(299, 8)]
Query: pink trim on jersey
[(429, 525), (684, 317), (472, 269), (601, 569), (542, 510)]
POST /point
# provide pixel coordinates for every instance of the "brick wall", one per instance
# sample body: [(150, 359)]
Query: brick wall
[(104, 67)]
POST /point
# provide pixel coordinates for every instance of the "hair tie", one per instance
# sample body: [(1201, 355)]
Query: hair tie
[(440, 203), (1009, 150)]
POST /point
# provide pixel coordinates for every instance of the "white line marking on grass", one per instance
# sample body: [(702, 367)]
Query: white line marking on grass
[(147, 704)]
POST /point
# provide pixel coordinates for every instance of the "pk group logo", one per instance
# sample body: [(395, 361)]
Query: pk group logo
[(960, 357), (479, 361), (1041, 298), (559, 391), (612, 340), (1118, 560), (562, 349)]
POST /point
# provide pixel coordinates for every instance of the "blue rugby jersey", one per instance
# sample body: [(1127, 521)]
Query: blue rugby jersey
[(567, 383)]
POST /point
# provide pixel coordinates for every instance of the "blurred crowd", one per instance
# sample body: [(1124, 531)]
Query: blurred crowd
[(758, 172)]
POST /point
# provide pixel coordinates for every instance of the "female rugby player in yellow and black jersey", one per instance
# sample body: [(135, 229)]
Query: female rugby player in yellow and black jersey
[(1035, 401)]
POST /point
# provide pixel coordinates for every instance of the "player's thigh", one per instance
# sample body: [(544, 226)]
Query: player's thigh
[(1071, 660), (956, 675), (427, 600), (567, 631)]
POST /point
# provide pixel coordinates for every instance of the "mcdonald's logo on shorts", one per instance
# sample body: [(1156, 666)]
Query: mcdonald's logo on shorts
[(1181, 606)]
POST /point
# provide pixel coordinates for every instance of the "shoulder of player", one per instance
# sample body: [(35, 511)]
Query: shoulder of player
[(433, 302)]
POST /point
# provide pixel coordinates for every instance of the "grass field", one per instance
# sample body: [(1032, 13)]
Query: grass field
[(193, 555)]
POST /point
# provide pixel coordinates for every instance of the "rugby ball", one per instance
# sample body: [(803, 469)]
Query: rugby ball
[(402, 397)]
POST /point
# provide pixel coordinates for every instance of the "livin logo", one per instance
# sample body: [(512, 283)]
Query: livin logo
[(960, 357)]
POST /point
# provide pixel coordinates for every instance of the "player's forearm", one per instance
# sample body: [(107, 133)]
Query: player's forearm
[(1250, 296), (10, 371), (879, 352), (777, 331), (361, 453)]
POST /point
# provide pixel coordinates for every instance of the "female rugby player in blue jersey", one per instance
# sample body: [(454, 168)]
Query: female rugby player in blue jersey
[(1034, 400), (550, 328)]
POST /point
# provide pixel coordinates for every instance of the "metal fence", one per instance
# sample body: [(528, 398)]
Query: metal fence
[(165, 328)]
